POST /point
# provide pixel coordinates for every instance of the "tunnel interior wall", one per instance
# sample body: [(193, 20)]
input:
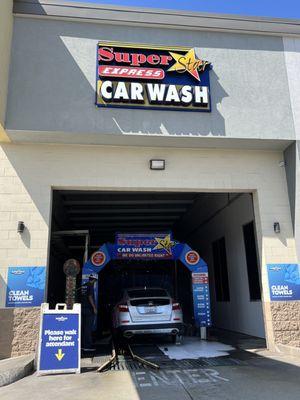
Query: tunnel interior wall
[(240, 313)]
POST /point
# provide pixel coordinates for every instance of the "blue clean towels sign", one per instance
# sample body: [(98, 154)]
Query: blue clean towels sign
[(59, 345), (284, 282), (25, 286)]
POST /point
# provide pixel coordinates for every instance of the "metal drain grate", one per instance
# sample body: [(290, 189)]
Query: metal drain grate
[(152, 353), (129, 365)]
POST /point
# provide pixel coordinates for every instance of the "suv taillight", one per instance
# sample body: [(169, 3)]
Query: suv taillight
[(123, 308), (176, 306)]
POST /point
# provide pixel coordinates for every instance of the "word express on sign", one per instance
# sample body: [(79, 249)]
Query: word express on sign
[(59, 341)]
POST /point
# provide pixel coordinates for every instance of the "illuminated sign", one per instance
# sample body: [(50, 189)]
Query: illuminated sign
[(151, 77), (98, 258), (145, 246), (192, 257)]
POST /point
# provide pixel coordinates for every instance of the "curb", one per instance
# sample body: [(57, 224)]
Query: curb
[(13, 369), (289, 350)]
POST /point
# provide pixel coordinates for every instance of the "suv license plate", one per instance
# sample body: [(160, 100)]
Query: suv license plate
[(150, 310)]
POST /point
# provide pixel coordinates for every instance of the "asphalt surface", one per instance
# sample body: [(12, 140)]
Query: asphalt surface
[(259, 375)]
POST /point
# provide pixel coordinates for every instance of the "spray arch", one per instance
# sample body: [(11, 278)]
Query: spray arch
[(157, 246)]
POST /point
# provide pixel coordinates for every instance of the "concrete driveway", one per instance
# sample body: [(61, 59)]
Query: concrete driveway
[(262, 375)]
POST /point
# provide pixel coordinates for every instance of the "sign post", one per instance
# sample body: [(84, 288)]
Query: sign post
[(201, 300), (59, 340)]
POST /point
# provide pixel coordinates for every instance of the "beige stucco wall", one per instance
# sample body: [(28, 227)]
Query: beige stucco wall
[(6, 29), (28, 172)]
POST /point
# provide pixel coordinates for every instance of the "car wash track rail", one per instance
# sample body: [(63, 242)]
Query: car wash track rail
[(123, 350)]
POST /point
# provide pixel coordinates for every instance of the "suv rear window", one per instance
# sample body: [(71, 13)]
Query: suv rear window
[(138, 293)]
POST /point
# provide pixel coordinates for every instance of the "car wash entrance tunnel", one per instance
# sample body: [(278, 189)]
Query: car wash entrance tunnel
[(220, 227)]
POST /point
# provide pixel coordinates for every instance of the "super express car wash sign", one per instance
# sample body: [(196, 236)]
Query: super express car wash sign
[(142, 76)]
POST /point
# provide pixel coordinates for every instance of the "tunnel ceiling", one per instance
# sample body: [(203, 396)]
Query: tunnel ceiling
[(104, 213)]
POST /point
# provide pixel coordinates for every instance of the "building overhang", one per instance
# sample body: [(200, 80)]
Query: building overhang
[(145, 140), (168, 19), (3, 135)]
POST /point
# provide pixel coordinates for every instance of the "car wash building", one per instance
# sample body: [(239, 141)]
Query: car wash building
[(128, 128)]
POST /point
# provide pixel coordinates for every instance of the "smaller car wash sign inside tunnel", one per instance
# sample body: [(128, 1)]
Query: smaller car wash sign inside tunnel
[(152, 77), (159, 246)]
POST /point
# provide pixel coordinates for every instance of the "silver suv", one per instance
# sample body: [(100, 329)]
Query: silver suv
[(147, 311)]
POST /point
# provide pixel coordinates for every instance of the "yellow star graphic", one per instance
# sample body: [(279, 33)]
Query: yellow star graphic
[(164, 243), (188, 62)]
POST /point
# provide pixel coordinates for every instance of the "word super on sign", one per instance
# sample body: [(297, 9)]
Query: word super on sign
[(151, 77)]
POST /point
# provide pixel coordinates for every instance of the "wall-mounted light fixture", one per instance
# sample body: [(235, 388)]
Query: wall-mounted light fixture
[(21, 227), (157, 165), (276, 227)]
